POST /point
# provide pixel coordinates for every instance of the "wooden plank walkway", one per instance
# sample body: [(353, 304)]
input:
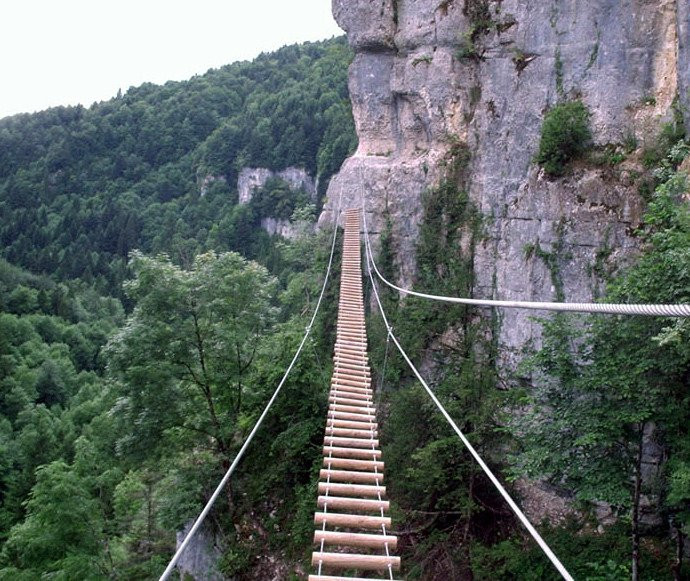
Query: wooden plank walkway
[(352, 523)]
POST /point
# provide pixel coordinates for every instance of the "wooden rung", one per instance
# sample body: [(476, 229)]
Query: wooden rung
[(351, 354), (342, 372), (350, 347), (352, 388), (350, 442), (356, 539), (343, 392), (343, 339), (361, 410), (351, 327), (350, 433), (336, 578), (343, 399), (350, 424), (332, 414), (339, 392), (350, 476), (363, 504), (337, 386), (348, 392), (370, 465), (353, 561), (341, 380), (342, 357), (351, 489), (358, 453), (354, 521), (343, 364)]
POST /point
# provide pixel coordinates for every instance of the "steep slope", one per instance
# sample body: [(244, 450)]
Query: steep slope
[(156, 168)]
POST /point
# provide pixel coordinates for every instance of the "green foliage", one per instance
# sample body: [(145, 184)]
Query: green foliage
[(277, 200), (565, 136), (605, 391), (183, 355), (655, 152), (81, 188), (438, 491), (62, 530)]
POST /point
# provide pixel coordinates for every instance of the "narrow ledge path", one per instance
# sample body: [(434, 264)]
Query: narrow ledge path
[(351, 519)]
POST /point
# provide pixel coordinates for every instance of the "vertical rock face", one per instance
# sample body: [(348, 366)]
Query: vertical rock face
[(414, 96), (200, 559), (251, 178)]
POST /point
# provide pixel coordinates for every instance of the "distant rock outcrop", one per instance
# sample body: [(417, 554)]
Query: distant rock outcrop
[(251, 178)]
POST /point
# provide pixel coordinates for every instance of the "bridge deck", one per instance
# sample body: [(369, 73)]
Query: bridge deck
[(351, 491)]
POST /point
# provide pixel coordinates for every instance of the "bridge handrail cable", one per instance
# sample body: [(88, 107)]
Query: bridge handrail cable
[(235, 462), (654, 310), (504, 493)]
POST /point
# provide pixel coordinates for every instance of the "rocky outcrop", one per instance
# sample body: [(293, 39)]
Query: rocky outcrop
[(286, 228), (251, 178), (207, 181), (201, 558), (415, 95)]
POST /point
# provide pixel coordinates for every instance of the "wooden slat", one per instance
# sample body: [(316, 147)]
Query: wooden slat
[(351, 424), (353, 561), (369, 465), (344, 399), (355, 409), (361, 504), (356, 539), (350, 476), (343, 489), (337, 452), (351, 416), (352, 389), (350, 442), (333, 431), (346, 393), (336, 578)]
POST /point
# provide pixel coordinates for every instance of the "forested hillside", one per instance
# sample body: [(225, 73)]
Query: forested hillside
[(80, 188), (146, 318), (116, 421)]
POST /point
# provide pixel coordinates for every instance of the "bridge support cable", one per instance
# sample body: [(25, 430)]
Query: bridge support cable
[(652, 310), (353, 510), (211, 501), (504, 493)]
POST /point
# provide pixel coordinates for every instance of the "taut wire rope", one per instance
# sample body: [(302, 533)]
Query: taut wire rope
[(235, 462), (653, 310), (504, 493)]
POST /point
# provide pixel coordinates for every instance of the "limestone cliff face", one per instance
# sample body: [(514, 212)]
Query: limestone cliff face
[(413, 97)]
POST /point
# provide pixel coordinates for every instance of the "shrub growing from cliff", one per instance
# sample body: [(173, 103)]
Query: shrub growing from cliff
[(565, 135)]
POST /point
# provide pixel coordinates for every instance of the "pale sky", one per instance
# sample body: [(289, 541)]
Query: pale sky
[(65, 52)]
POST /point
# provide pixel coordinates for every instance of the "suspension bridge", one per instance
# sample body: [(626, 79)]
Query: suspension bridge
[(352, 526)]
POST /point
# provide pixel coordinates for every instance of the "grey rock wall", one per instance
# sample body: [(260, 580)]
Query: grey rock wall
[(251, 178), (413, 97), (200, 560)]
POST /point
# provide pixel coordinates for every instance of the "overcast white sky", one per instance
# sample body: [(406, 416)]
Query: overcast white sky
[(65, 52)]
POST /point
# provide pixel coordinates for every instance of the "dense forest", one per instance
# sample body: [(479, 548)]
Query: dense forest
[(80, 188), (114, 279), (128, 380)]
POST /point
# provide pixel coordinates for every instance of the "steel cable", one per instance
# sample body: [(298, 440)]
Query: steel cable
[(504, 493), (226, 477), (653, 310)]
